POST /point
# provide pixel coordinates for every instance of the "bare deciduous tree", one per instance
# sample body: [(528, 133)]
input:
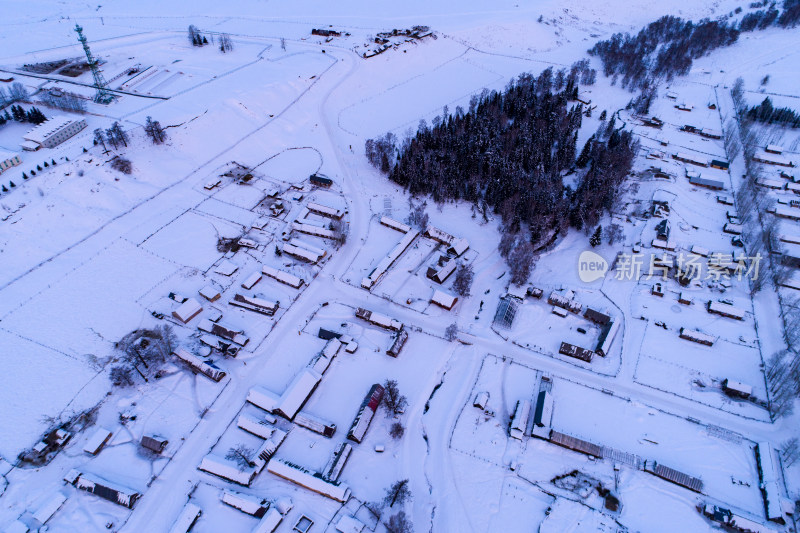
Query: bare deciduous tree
[(397, 430), (399, 523), (393, 401), (791, 451), (241, 455), (398, 493), (451, 332)]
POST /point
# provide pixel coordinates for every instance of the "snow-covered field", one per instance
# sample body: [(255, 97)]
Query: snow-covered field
[(89, 254)]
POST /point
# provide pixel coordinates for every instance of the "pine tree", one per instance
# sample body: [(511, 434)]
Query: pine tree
[(583, 159), (46, 164), (53, 162), (597, 237), (39, 168), (12, 184), (24, 176)]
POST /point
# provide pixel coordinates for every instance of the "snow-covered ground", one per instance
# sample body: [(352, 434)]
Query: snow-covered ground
[(89, 254)]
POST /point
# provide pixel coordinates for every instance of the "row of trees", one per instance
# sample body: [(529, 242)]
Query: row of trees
[(196, 38), (65, 101), (16, 93), (769, 114), (18, 113), (761, 234), (661, 50), (667, 47), (153, 129), (113, 136), (762, 19)]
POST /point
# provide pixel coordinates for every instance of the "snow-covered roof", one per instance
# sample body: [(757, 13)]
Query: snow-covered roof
[(262, 398), (310, 480), (49, 507), (226, 268), (774, 148), (251, 280), (302, 253), (310, 229), (187, 310), (270, 522), (16, 527), (324, 210), (774, 159), (442, 298), (97, 440), (283, 277), (298, 392), (259, 426), (392, 223), (29, 145), (5, 155), (244, 502), (725, 309), (738, 386), (227, 470), (209, 293), (186, 519), (46, 129), (459, 246)]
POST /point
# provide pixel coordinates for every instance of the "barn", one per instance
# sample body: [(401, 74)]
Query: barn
[(575, 444), (442, 269), (281, 276), (696, 336), (673, 476), (256, 305), (366, 413), (519, 420), (311, 480), (398, 342), (576, 351), (726, 310), (154, 443), (207, 368), (443, 299), (102, 488), (97, 441), (320, 181), (187, 310), (596, 316), (246, 503)]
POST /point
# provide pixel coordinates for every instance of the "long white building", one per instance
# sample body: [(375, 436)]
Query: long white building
[(53, 132)]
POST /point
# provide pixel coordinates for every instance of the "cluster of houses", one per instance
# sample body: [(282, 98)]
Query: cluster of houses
[(289, 406), (565, 301), (535, 419), (776, 508), (400, 334), (439, 271)]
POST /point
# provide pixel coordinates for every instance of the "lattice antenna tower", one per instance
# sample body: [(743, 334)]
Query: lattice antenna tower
[(102, 96)]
